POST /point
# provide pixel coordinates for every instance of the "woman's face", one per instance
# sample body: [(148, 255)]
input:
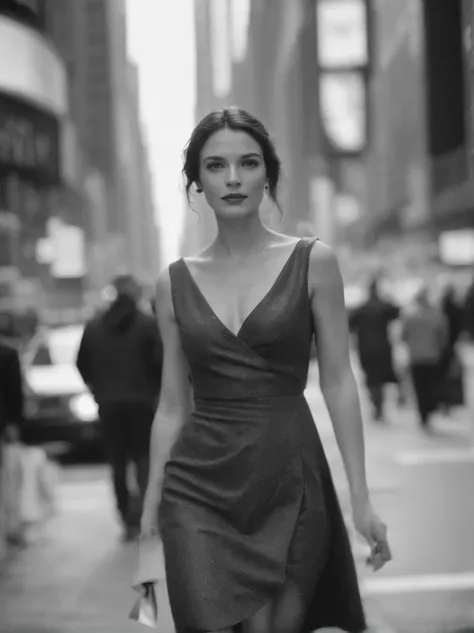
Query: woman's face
[(232, 173)]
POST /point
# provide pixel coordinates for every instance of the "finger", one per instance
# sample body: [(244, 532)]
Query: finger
[(378, 563), (378, 536), (382, 555), (384, 550)]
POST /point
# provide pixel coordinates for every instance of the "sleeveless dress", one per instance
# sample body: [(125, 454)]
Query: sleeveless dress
[(248, 500)]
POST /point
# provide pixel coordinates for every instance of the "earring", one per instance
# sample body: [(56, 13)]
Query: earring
[(198, 190)]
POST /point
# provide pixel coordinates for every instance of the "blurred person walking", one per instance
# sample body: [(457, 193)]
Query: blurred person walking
[(240, 490), (11, 391), (451, 371), (468, 312), (120, 360), (370, 325), (425, 333), (11, 418)]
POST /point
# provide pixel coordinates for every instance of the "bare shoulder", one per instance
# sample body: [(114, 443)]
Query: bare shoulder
[(323, 272)]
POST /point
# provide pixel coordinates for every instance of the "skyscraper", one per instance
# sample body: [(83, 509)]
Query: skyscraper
[(92, 37)]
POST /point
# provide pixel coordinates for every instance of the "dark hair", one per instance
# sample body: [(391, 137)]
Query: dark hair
[(233, 118)]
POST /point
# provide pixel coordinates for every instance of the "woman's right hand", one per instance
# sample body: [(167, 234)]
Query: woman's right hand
[(149, 522)]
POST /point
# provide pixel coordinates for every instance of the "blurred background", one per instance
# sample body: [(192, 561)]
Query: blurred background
[(369, 104)]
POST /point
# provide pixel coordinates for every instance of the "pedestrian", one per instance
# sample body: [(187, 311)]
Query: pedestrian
[(11, 420), (120, 360), (240, 491), (370, 325), (11, 391), (468, 312), (451, 373), (425, 333)]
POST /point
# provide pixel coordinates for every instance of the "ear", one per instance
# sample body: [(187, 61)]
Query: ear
[(198, 188)]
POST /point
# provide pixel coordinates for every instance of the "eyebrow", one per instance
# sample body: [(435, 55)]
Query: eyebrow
[(249, 155)]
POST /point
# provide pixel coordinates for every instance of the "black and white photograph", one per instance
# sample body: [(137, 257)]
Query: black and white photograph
[(237, 316)]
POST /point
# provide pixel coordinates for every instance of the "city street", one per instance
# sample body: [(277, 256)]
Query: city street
[(76, 575), (240, 137)]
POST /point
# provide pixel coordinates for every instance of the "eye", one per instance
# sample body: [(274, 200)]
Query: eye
[(214, 165), (250, 162)]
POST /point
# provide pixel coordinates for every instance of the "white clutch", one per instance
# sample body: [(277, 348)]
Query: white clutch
[(145, 581), (145, 609)]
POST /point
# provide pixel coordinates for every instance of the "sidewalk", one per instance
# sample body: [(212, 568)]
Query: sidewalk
[(388, 443), (391, 447), (76, 577)]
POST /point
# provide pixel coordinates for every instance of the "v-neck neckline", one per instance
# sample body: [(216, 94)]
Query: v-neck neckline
[(262, 301)]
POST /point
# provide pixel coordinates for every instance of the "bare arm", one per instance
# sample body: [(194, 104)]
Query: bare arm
[(337, 380), (175, 402)]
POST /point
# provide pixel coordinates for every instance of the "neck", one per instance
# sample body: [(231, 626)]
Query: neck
[(240, 237)]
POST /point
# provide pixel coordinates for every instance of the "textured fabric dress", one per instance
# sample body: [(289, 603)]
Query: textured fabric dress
[(248, 500)]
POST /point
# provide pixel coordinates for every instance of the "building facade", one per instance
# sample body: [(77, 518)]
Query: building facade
[(142, 228), (277, 80), (419, 171), (103, 85), (33, 106)]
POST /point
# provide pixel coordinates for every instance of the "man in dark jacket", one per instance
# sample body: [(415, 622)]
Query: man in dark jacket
[(11, 391), (370, 325), (120, 360)]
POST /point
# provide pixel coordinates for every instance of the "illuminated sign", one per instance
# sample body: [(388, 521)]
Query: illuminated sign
[(342, 33), (456, 248), (31, 68), (343, 110)]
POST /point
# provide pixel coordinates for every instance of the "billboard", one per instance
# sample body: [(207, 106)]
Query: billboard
[(30, 68), (343, 59), (343, 110), (342, 34)]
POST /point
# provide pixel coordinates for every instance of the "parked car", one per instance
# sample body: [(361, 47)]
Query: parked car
[(59, 406)]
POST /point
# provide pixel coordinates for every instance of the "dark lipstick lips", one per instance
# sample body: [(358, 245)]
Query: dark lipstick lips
[(234, 196)]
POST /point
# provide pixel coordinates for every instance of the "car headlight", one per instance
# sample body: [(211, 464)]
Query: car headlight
[(84, 407)]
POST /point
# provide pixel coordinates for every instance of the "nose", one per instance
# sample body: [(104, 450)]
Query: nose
[(233, 176)]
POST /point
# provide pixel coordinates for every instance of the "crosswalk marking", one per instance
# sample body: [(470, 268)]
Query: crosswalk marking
[(435, 456), (413, 584)]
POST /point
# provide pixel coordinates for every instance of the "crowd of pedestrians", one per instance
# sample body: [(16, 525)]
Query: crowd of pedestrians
[(414, 347)]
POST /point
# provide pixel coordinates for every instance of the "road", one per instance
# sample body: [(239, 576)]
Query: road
[(75, 576)]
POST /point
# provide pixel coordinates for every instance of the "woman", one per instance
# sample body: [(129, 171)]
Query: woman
[(239, 487)]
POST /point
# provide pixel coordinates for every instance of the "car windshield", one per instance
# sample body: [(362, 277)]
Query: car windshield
[(59, 347)]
